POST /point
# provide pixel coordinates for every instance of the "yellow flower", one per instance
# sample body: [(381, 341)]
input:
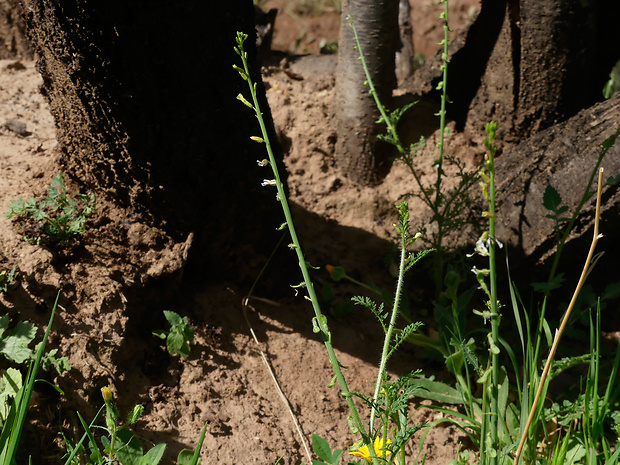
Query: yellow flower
[(364, 453), (106, 393)]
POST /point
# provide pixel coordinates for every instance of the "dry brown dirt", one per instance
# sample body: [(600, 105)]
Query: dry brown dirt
[(224, 382)]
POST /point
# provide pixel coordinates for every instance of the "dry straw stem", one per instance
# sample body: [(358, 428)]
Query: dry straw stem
[(560, 330), (244, 307), (283, 398)]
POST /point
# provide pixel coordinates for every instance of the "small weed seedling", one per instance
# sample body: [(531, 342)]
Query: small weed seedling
[(57, 215), (180, 335), (6, 279)]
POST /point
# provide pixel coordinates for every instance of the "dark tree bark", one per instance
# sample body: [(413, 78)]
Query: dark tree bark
[(529, 64), (143, 94), (358, 154), (564, 157)]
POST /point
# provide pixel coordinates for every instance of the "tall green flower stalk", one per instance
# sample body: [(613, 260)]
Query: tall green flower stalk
[(391, 398), (443, 87), (486, 246), (319, 322)]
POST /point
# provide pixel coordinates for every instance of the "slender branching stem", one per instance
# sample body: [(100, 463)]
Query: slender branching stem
[(390, 329), (389, 122)]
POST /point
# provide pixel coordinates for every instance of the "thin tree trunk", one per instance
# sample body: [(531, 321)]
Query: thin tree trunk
[(404, 52), (358, 154)]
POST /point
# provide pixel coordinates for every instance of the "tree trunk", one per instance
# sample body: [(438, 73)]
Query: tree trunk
[(144, 98), (548, 60), (405, 50), (13, 43), (358, 154)]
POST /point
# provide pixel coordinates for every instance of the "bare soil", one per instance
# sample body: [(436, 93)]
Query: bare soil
[(225, 381)]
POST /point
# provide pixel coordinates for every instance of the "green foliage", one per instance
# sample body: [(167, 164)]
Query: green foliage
[(7, 278), (374, 438), (119, 445), (321, 448), (16, 416), (188, 457), (10, 384), (552, 201), (59, 216), (613, 84), (179, 336), (50, 360), (449, 207), (496, 386), (14, 343)]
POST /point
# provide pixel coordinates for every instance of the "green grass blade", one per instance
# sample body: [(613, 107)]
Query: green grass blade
[(88, 432), (614, 459), (7, 431), (196, 457), (22, 401), (515, 307), (87, 429)]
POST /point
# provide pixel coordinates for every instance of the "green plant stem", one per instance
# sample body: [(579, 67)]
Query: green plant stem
[(494, 307), (320, 318), (560, 330), (437, 204), (444, 100), (390, 329)]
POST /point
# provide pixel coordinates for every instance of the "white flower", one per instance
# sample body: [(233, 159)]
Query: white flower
[(268, 182)]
